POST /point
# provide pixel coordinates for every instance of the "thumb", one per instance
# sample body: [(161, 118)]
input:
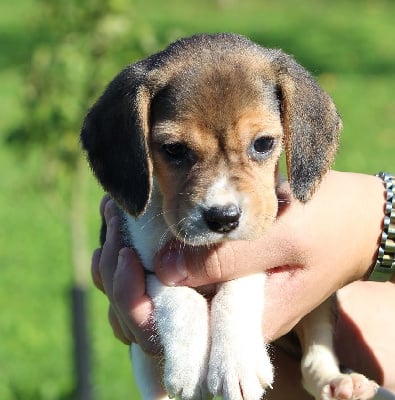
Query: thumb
[(180, 265), (177, 264)]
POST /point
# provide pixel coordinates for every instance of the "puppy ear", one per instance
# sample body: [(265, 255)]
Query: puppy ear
[(311, 124), (114, 136)]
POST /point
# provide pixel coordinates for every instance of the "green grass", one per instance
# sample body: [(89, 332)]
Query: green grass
[(348, 45)]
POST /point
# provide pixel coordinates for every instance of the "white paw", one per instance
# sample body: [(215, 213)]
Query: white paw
[(348, 387), (185, 382), (239, 373)]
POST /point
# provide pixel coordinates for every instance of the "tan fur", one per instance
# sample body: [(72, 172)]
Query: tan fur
[(221, 151)]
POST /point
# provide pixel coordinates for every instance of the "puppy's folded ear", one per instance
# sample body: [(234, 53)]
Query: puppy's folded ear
[(114, 136), (311, 124)]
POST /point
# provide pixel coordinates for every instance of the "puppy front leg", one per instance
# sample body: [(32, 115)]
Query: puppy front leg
[(182, 322), (148, 374), (239, 365), (322, 377)]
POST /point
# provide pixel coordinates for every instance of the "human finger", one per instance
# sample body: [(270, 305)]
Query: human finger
[(106, 198), (95, 269), (132, 305), (95, 263), (177, 264), (119, 329), (111, 247)]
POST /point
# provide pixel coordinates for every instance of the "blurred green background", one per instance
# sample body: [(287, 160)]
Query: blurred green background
[(56, 56)]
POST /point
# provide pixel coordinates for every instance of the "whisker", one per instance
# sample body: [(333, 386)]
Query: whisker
[(162, 240), (160, 214)]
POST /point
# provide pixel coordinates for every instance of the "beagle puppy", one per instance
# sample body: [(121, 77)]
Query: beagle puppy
[(187, 142)]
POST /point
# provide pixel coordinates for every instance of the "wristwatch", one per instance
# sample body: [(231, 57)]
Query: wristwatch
[(384, 268)]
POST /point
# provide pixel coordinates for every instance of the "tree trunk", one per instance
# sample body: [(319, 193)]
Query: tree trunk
[(81, 263)]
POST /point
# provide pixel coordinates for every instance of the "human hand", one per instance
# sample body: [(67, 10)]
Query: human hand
[(297, 255), (117, 272), (363, 339), (313, 248), (365, 330)]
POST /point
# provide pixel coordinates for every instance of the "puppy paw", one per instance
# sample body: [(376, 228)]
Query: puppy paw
[(237, 374), (185, 383), (349, 387)]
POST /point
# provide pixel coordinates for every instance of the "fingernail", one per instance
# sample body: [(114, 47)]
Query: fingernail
[(111, 227), (121, 259), (109, 210), (173, 267), (106, 198)]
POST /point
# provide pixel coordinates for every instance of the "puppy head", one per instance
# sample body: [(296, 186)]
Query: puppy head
[(208, 117), (215, 153)]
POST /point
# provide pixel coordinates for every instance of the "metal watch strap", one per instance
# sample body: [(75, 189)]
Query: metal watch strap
[(384, 267)]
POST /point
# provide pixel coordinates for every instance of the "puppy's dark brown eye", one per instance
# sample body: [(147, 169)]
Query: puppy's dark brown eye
[(176, 152), (263, 145)]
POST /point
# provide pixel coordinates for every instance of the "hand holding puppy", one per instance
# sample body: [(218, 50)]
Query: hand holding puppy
[(292, 248), (350, 230), (314, 248)]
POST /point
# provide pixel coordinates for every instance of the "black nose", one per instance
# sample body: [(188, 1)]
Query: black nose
[(222, 219)]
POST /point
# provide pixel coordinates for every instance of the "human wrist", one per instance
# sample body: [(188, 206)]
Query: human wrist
[(371, 205), (356, 203)]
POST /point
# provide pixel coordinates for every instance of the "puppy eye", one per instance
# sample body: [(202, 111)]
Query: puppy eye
[(177, 152), (263, 145)]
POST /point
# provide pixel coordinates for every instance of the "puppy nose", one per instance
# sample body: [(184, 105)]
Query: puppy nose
[(222, 219)]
